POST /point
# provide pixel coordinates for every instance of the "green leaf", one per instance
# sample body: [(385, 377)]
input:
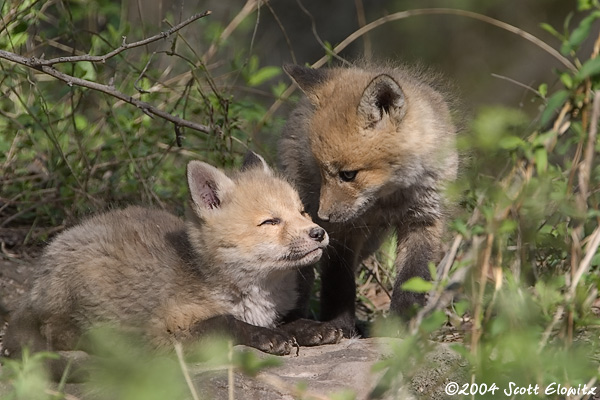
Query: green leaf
[(461, 307), (461, 227), (417, 285), (588, 69), (432, 270), (566, 80), (580, 33), (543, 89), (541, 160), (555, 101), (510, 142), (86, 70), (263, 74), (550, 29), (583, 5), (507, 226), (434, 321), (543, 138)]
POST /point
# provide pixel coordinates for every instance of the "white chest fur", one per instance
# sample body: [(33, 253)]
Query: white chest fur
[(263, 304)]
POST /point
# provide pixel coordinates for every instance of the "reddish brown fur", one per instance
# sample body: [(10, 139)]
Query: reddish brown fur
[(393, 130), (146, 270)]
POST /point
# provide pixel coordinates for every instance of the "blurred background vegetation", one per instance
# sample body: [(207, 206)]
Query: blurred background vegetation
[(524, 234), (68, 151)]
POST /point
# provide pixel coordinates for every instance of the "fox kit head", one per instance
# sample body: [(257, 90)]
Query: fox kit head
[(253, 221), (372, 132)]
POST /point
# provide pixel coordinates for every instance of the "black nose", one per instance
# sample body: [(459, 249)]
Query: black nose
[(317, 233)]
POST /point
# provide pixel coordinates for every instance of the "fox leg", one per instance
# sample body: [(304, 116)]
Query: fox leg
[(269, 340), (338, 286), (418, 244), (25, 331)]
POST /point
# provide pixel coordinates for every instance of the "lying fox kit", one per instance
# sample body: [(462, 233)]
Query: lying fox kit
[(370, 150), (230, 268)]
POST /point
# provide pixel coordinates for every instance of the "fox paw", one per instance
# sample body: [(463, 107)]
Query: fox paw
[(273, 341), (313, 333)]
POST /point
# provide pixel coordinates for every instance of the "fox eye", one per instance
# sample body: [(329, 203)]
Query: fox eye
[(348, 176), (271, 221)]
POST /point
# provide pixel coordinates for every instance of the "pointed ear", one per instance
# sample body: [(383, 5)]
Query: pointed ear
[(207, 185), (253, 160), (307, 79), (382, 96)]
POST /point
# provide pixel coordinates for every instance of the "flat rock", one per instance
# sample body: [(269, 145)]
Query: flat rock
[(319, 372)]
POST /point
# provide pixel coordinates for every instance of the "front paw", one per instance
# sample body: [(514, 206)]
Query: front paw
[(313, 333), (272, 341)]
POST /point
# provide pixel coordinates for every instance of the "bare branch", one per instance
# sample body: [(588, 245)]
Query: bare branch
[(35, 62), (71, 80)]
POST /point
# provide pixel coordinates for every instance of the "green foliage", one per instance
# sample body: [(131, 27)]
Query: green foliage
[(529, 210), (68, 150), (533, 220), (27, 377)]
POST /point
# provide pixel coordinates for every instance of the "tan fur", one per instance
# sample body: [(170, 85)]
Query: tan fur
[(395, 130), (147, 270)]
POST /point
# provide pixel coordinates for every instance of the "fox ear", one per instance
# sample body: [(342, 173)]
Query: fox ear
[(382, 96), (307, 79), (253, 160), (207, 185)]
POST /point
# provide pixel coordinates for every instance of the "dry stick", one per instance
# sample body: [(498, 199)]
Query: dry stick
[(585, 168), (248, 8), (230, 375), (362, 21), (424, 11), (546, 335), (485, 267), (184, 370), (586, 261)]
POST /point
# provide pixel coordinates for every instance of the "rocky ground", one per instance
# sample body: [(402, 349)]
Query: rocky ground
[(321, 371)]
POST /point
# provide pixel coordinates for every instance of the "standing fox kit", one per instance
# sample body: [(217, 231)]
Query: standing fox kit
[(370, 150), (230, 268)]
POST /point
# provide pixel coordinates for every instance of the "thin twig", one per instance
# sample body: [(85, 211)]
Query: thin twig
[(546, 335), (283, 31), (524, 86), (362, 21), (450, 11), (142, 74), (35, 62), (585, 168), (111, 91), (585, 263), (184, 370), (230, 374), (313, 25), (483, 277), (411, 13), (248, 8)]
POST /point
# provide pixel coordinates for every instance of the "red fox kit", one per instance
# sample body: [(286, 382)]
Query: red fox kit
[(370, 150), (230, 267)]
